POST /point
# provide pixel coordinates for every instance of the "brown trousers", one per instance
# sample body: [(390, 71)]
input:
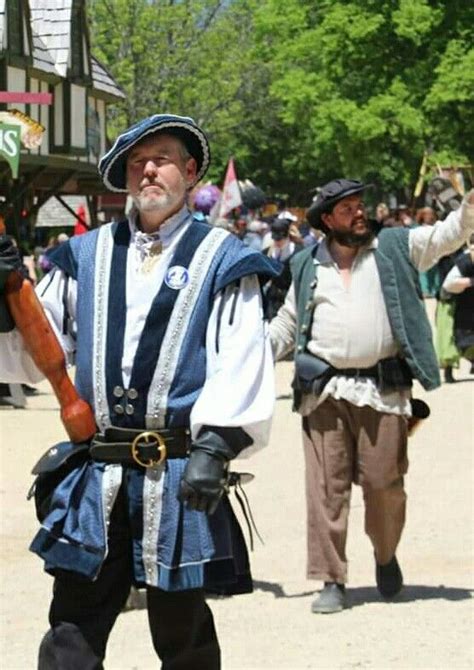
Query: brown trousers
[(344, 444)]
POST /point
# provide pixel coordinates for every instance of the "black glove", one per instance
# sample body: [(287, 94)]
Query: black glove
[(203, 481), (447, 199), (10, 259), (6, 322), (205, 476)]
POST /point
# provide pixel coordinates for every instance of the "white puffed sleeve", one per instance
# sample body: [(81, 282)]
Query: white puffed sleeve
[(428, 244), (57, 294), (239, 390)]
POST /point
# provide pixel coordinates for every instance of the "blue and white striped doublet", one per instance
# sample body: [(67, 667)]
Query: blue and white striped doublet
[(174, 548)]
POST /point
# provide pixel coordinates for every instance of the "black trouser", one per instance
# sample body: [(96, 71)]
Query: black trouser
[(83, 613)]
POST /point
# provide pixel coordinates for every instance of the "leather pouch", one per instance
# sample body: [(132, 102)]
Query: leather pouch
[(311, 373), (51, 469), (394, 375)]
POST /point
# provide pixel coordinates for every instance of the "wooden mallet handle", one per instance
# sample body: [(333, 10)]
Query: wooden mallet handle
[(45, 350)]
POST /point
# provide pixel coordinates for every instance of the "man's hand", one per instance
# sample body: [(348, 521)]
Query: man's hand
[(203, 481), (10, 258), (294, 234), (205, 476), (446, 197)]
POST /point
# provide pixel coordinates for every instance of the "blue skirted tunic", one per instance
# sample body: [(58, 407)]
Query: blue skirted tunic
[(173, 548)]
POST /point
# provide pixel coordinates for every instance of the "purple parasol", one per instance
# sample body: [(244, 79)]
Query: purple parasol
[(206, 197)]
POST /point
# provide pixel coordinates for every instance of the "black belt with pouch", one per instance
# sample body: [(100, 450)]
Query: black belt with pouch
[(313, 373), (144, 448), (132, 447)]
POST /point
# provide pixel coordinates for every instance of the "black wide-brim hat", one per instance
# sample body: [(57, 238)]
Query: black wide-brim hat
[(280, 229), (112, 166), (329, 195)]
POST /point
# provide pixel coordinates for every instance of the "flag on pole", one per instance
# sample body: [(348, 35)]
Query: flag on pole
[(230, 196), (421, 176)]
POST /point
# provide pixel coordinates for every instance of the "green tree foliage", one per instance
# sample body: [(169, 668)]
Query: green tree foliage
[(300, 91), (181, 56), (372, 83)]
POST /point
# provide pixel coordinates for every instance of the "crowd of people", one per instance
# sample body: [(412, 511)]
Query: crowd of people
[(35, 266), (38, 263), (283, 234), (167, 320)]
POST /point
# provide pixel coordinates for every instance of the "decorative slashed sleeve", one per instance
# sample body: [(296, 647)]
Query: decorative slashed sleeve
[(239, 390)]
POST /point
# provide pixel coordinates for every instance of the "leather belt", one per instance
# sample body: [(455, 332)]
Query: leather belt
[(359, 372), (390, 374), (145, 448)]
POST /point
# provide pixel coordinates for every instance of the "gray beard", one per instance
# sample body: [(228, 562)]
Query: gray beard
[(153, 204), (349, 239)]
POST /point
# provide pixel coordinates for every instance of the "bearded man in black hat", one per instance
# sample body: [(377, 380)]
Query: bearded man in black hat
[(153, 308), (355, 316)]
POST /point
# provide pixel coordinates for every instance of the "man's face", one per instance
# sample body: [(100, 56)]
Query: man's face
[(381, 212), (158, 175), (348, 223), (405, 218), (281, 242)]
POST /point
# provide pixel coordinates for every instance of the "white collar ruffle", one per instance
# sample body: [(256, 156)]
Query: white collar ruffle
[(146, 243)]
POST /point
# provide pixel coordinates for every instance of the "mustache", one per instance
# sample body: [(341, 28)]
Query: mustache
[(359, 219), (349, 239), (147, 182)]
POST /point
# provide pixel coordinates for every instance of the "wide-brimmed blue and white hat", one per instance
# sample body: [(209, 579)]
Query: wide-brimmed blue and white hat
[(112, 166)]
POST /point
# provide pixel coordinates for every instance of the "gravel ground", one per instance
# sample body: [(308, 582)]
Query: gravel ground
[(429, 626)]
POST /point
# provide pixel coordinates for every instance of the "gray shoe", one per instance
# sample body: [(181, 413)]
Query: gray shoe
[(331, 599)]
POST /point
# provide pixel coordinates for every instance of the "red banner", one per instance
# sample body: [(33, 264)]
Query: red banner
[(26, 98)]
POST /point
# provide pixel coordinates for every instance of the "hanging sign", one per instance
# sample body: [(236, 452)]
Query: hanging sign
[(10, 146), (31, 132), (17, 128)]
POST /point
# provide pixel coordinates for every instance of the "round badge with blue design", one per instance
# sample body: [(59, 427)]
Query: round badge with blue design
[(177, 277)]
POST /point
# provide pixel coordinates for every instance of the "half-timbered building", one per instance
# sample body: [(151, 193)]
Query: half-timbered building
[(48, 74)]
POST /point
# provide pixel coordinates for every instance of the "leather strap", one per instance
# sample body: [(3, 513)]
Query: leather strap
[(140, 447), (359, 372)]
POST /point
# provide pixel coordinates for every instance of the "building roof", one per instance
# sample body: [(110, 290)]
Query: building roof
[(51, 27), (51, 22), (103, 81), (53, 215), (42, 58)]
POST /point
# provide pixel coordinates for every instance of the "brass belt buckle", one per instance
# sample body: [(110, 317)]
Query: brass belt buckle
[(149, 437)]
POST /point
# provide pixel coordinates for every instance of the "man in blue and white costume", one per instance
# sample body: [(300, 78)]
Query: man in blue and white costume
[(164, 315)]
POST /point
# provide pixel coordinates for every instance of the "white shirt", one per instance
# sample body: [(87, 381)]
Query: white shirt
[(239, 386), (350, 326), (282, 253), (451, 283)]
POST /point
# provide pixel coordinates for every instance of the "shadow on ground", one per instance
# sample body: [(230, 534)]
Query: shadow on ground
[(369, 594), (356, 597)]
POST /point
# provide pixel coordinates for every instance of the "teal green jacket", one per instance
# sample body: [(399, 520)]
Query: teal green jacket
[(401, 290)]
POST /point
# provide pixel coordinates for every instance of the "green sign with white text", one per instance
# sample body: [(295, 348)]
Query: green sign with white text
[(10, 146)]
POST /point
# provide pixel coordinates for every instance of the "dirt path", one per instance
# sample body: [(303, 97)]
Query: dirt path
[(430, 626)]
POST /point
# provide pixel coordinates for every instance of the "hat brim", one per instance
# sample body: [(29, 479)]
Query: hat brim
[(112, 166), (314, 211)]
